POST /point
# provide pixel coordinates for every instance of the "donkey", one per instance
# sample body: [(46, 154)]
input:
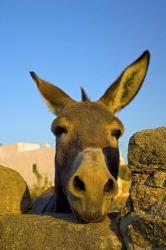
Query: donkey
[(87, 153)]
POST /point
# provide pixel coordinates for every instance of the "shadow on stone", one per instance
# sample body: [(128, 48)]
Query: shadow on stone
[(26, 202)]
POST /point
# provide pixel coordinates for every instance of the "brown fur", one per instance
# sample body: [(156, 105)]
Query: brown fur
[(87, 154), (84, 119)]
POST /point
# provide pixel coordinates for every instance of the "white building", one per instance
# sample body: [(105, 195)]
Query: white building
[(22, 157)]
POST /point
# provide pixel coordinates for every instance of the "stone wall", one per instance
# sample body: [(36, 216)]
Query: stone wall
[(141, 225), (14, 193), (143, 222)]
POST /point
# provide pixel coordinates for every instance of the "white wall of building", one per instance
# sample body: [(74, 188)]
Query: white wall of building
[(22, 156)]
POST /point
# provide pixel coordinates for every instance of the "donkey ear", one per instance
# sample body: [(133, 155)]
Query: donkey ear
[(56, 98), (125, 88)]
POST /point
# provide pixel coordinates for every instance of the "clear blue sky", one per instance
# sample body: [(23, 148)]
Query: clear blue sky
[(73, 43)]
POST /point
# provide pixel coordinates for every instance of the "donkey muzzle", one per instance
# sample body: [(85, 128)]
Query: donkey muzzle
[(91, 186)]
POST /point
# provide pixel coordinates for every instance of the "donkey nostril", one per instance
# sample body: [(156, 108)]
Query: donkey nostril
[(78, 183), (109, 186)]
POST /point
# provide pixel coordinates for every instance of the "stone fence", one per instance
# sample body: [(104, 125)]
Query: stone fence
[(141, 224)]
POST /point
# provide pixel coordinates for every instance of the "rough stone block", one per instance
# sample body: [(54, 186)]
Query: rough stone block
[(157, 180), (147, 150), (14, 193), (148, 199), (143, 232), (143, 220), (36, 232)]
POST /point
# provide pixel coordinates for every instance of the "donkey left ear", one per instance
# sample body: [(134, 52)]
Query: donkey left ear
[(125, 88), (55, 97)]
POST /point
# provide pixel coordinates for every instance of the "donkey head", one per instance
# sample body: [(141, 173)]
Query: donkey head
[(87, 133)]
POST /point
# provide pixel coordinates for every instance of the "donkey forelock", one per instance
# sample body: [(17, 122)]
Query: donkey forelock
[(87, 133)]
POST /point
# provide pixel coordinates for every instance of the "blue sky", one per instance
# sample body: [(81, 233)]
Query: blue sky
[(78, 43)]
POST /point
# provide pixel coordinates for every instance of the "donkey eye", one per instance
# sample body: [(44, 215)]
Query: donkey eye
[(116, 133), (60, 130)]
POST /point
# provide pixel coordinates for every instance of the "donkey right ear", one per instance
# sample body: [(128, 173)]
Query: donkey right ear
[(56, 98), (125, 88)]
